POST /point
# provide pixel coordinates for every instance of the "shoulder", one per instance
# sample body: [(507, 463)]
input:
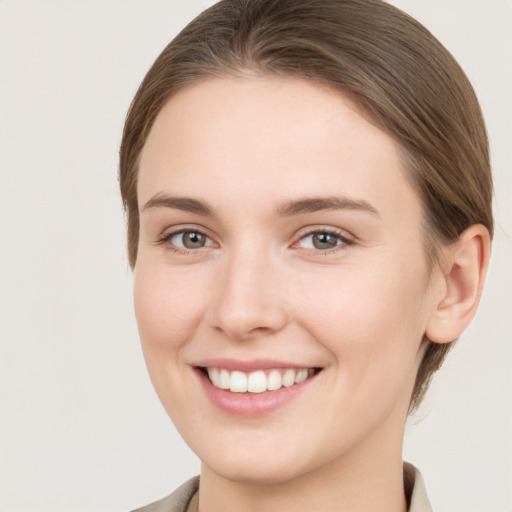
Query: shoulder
[(415, 490), (178, 501)]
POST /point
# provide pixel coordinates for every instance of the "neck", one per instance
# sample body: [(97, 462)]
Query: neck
[(368, 480)]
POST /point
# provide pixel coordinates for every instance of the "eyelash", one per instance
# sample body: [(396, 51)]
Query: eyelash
[(166, 240), (344, 241)]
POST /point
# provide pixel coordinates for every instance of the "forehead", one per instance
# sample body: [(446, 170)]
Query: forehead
[(272, 138)]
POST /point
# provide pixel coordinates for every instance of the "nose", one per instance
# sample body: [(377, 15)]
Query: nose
[(249, 302)]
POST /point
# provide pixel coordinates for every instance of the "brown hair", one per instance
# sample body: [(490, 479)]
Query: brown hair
[(394, 69)]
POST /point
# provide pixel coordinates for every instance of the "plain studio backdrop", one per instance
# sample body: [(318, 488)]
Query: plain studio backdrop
[(81, 428)]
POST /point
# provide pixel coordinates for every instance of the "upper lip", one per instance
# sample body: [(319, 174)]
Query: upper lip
[(249, 366)]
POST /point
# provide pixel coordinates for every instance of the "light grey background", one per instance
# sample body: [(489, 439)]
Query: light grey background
[(80, 426)]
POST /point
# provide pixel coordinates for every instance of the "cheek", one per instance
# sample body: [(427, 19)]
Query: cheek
[(372, 322), (169, 304), (360, 300), (168, 307)]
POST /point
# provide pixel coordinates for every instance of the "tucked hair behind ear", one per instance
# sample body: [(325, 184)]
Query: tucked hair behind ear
[(400, 76)]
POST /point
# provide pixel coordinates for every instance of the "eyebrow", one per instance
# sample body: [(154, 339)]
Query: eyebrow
[(315, 204), (284, 209), (186, 204)]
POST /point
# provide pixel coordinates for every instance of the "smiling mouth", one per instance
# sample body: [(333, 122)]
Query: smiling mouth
[(258, 381)]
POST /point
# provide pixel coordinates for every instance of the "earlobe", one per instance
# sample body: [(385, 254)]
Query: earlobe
[(465, 266)]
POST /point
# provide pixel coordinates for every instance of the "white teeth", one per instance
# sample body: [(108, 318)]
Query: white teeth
[(274, 380), (258, 381), (213, 374), (224, 379), (301, 375), (289, 378), (238, 382)]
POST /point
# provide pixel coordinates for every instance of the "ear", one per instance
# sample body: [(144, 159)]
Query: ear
[(464, 267)]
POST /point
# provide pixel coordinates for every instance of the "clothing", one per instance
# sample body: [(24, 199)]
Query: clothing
[(415, 490), (180, 500)]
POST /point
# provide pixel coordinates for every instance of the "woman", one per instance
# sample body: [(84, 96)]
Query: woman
[(308, 193)]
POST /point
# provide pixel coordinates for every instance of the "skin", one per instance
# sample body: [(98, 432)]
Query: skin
[(260, 289)]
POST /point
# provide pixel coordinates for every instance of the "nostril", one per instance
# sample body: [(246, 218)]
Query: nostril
[(242, 331), (262, 330)]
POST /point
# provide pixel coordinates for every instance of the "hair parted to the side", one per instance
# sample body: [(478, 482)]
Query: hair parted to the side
[(402, 79)]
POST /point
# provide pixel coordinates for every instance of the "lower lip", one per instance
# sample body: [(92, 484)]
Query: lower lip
[(251, 404)]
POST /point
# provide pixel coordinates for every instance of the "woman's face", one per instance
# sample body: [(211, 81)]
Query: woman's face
[(279, 240)]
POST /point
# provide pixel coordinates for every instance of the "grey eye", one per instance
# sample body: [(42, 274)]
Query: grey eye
[(321, 241), (190, 240), (324, 241)]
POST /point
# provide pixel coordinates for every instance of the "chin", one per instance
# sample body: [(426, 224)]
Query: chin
[(256, 463), (254, 473)]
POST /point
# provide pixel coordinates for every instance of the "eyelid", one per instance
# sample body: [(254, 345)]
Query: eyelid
[(346, 238), (168, 234)]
